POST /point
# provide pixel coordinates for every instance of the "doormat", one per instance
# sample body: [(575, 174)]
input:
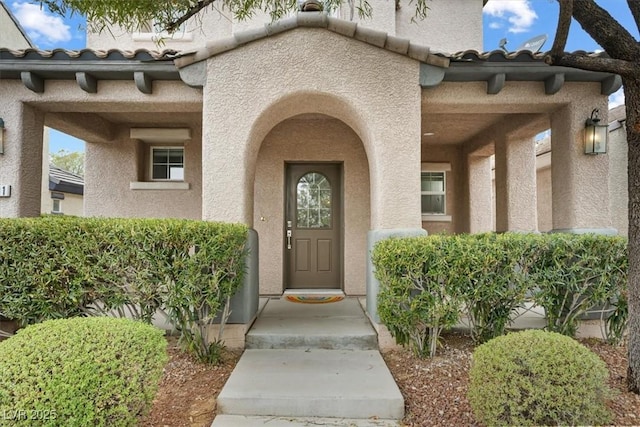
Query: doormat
[(314, 299)]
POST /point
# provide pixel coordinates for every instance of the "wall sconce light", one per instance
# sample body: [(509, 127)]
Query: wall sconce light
[(595, 135), (1, 136)]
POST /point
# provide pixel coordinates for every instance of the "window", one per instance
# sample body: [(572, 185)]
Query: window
[(313, 201), (433, 193), (57, 206), (167, 163)]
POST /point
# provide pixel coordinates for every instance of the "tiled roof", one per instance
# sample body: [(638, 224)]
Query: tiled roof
[(65, 181), (87, 54), (500, 55), (316, 20), (87, 66)]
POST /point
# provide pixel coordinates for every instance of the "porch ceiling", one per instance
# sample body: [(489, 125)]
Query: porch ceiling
[(455, 128), (99, 126)]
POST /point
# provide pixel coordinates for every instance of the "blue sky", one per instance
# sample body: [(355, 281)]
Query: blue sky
[(515, 20)]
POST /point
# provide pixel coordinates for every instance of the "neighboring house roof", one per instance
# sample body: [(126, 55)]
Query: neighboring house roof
[(618, 114), (65, 181), (17, 24), (87, 66)]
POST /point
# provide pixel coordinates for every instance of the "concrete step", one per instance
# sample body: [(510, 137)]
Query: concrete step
[(288, 325), (255, 421), (351, 384)]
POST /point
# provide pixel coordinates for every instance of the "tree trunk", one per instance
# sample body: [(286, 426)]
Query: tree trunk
[(632, 101)]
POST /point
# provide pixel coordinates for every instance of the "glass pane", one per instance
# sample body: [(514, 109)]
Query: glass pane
[(176, 157), (432, 204), (176, 174), (160, 172), (313, 201), (432, 181), (160, 156)]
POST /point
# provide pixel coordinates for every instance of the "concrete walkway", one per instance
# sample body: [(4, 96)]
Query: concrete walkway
[(310, 364)]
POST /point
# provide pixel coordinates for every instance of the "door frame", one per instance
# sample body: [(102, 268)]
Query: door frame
[(341, 216)]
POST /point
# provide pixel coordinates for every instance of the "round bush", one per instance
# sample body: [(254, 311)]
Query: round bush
[(538, 378), (96, 371)]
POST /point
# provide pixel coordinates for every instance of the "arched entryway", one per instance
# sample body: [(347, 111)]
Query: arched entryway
[(312, 206)]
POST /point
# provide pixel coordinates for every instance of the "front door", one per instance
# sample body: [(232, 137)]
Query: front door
[(313, 224)]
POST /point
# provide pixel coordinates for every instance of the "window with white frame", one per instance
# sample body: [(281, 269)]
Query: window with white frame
[(167, 163), (433, 191), (433, 195), (56, 207)]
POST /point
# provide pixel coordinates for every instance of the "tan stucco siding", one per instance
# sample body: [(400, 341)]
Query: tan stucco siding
[(251, 89), (450, 25), (21, 163), (10, 35), (544, 200), (580, 193), (207, 25), (383, 17), (112, 167), (107, 179), (618, 180), (319, 139)]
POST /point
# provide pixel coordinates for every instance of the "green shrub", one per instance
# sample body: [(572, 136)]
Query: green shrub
[(538, 378), (417, 299), (59, 267), (94, 371), (424, 281), (491, 275), (573, 273)]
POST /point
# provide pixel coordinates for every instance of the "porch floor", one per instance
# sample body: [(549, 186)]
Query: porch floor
[(311, 360), (339, 325)]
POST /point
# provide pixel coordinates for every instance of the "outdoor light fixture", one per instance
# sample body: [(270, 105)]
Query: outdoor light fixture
[(1, 136), (595, 135)]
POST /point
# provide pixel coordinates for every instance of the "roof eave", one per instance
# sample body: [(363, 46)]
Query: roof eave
[(499, 72)]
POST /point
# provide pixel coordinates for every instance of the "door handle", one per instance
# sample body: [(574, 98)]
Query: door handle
[(289, 239)]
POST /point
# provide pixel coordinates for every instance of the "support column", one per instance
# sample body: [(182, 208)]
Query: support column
[(21, 163), (516, 208), (480, 200), (579, 181)]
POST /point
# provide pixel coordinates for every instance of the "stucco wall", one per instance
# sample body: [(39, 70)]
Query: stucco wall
[(383, 17), (207, 25), (618, 180), (544, 201), (111, 167), (10, 34), (450, 25), (251, 89), (24, 113), (312, 139)]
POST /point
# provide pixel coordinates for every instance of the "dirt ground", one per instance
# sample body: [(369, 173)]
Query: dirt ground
[(434, 389)]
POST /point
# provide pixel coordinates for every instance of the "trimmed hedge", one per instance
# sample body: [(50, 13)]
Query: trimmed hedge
[(59, 267), (538, 378), (95, 371), (427, 282)]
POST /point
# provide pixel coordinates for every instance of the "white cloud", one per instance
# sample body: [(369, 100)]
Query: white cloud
[(41, 25), (616, 98), (495, 25), (518, 13)]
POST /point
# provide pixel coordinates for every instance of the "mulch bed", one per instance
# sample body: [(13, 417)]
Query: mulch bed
[(434, 389)]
